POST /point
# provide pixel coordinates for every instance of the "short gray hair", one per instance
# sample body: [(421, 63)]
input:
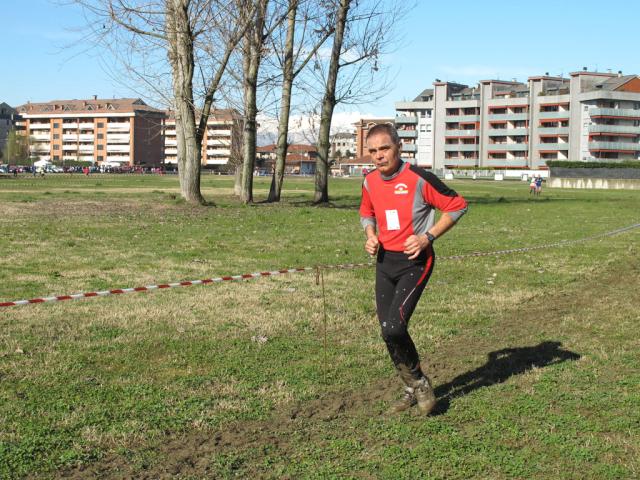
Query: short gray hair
[(386, 128)]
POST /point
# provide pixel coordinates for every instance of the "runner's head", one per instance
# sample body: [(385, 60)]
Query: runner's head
[(383, 144)]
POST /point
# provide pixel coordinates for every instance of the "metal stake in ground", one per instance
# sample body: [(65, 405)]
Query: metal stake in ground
[(320, 280)]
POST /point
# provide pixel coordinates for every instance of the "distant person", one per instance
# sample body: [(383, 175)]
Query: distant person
[(538, 181), (532, 186), (397, 212)]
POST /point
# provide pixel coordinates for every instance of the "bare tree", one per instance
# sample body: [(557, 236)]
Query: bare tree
[(364, 30), (182, 38), (252, 51), (292, 64)]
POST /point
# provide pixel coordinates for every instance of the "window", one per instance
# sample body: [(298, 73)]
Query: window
[(56, 147), (100, 136), (100, 125), (56, 125), (56, 158), (100, 147), (56, 136), (100, 158)]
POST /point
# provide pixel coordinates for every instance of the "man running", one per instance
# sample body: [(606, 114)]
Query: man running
[(397, 213)]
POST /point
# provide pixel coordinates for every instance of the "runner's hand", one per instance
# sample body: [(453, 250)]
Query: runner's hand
[(415, 244), (371, 245)]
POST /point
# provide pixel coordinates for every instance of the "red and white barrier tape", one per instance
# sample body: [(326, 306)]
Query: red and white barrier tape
[(247, 276)]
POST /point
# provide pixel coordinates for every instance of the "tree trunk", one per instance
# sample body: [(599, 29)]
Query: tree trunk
[(285, 108), (328, 103), (251, 65), (182, 61), (237, 181)]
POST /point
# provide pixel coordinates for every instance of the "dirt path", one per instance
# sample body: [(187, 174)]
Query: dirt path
[(496, 358)]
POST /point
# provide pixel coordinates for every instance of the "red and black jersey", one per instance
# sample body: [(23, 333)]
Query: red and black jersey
[(403, 204)]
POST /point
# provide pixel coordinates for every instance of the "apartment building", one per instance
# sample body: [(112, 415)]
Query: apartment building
[(123, 131), (221, 144), (362, 128), (301, 159), (589, 116), (343, 144)]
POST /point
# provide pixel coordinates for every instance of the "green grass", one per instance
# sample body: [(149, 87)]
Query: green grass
[(534, 355)]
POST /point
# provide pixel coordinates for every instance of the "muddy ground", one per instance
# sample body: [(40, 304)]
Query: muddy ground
[(511, 349)]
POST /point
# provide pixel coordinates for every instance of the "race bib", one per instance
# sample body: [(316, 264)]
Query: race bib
[(393, 222)]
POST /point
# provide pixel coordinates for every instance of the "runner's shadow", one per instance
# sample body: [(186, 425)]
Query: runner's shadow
[(501, 365)]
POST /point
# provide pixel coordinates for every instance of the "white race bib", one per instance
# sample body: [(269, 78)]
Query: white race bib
[(393, 222)]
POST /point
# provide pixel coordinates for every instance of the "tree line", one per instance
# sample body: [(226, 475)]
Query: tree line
[(259, 56)]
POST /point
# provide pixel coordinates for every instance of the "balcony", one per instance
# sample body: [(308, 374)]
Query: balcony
[(461, 133), (461, 118), (40, 126), (85, 148), (560, 114), (40, 147), (406, 120), (503, 132), (619, 146), (461, 147), (86, 158), (553, 130), (461, 162), (408, 133), (118, 138), (508, 147), (505, 162), (118, 158), (409, 147), (226, 143), (71, 126), (615, 112), (614, 129), (217, 162), (86, 125), (552, 146), (70, 137), (41, 136), (118, 148), (170, 142), (72, 148), (219, 133), (219, 152), (170, 133), (86, 137), (508, 116), (171, 151), (118, 127)]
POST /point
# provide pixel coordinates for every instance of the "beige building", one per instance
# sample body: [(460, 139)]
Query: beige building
[(123, 131), (222, 141), (590, 116)]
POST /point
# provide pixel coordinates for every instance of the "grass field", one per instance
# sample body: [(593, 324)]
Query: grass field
[(534, 355)]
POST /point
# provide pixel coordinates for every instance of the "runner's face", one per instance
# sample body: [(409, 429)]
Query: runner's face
[(385, 154)]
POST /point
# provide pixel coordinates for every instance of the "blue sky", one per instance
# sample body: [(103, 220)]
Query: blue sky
[(464, 41)]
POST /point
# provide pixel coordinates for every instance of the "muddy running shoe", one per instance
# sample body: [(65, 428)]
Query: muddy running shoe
[(424, 395), (407, 401)]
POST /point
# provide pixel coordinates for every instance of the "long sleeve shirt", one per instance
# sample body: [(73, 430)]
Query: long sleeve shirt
[(404, 204)]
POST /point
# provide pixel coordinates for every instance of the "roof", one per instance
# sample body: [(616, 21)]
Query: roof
[(214, 113), (347, 135), (614, 83), (424, 95), (293, 148), (95, 105)]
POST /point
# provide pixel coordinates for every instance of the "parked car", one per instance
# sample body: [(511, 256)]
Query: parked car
[(4, 169)]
